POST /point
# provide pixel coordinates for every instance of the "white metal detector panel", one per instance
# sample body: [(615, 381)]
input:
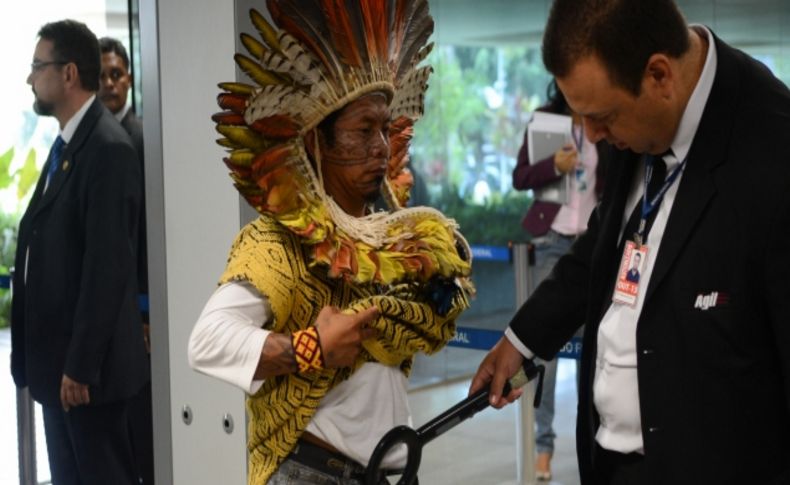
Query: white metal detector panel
[(193, 216)]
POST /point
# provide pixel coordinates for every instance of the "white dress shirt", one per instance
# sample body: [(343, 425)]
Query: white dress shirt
[(227, 341)]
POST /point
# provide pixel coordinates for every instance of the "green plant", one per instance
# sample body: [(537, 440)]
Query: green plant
[(495, 223), (20, 181), (465, 146), (8, 233)]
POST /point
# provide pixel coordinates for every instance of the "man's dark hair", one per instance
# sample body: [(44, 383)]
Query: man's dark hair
[(556, 101), (327, 127), (73, 41), (623, 34), (109, 45)]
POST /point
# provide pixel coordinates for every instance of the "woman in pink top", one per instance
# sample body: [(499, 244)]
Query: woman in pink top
[(553, 227)]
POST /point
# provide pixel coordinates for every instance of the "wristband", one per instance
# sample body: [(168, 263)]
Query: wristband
[(307, 350)]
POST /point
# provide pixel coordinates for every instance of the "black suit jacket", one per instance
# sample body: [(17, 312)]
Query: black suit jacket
[(134, 127), (75, 312), (714, 383)]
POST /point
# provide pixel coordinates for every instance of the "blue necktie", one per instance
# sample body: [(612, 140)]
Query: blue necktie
[(54, 157)]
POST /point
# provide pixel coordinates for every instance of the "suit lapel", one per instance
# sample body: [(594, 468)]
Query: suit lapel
[(67, 163), (708, 150)]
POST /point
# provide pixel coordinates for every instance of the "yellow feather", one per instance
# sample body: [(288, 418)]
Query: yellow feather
[(237, 88), (366, 268), (256, 72), (268, 34), (242, 157), (225, 143), (389, 268), (255, 48), (242, 137)]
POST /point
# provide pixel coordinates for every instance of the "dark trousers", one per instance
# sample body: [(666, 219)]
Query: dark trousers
[(142, 434), (613, 468), (89, 445)]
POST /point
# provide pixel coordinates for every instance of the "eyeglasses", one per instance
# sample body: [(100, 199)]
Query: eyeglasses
[(36, 66)]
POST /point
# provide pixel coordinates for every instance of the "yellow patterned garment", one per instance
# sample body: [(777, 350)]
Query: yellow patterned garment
[(271, 258)]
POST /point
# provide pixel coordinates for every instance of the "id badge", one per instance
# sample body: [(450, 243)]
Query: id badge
[(626, 288)]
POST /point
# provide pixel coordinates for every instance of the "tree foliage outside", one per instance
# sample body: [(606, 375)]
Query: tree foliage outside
[(465, 146), (15, 185)]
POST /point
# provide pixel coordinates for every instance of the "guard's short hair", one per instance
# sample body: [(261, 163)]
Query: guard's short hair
[(109, 45), (623, 34), (73, 41)]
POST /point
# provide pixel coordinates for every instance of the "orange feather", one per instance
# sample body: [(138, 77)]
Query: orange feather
[(340, 30), (228, 118), (398, 31), (234, 102), (269, 160), (374, 15), (277, 126)]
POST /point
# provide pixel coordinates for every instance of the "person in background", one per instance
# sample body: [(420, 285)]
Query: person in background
[(77, 342), (114, 82), (700, 185), (554, 227)]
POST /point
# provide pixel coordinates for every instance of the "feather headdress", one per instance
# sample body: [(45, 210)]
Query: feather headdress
[(319, 56)]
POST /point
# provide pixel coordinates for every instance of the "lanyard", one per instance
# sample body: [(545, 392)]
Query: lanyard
[(578, 141), (649, 207)]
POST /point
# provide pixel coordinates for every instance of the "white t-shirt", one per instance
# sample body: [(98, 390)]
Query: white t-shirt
[(227, 341)]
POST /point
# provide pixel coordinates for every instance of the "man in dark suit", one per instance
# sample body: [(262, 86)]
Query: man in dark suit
[(77, 342), (690, 382), (114, 83)]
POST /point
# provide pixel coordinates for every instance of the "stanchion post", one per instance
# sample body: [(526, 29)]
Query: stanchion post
[(524, 265), (26, 437)]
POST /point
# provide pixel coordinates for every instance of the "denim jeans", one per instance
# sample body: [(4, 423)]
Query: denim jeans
[(291, 472), (547, 252)]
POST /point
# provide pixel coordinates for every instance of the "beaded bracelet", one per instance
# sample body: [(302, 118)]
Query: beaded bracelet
[(307, 350)]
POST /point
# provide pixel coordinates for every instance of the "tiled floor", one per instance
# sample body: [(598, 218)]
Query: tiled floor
[(479, 451)]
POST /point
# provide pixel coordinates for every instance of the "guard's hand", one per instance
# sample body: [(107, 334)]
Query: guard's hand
[(501, 363), (72, 393), (566, 158), (341, 334)]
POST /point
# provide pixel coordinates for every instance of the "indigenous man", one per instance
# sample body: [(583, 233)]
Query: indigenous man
[(324, 303)]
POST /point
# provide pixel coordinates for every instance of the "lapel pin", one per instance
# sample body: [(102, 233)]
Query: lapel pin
[(65, 165)]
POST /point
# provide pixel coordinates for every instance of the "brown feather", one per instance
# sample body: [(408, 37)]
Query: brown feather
[(270, 159), (401, 131), (287, 23), (234, 102), (419, 29), (374, 14), (228, 118), (342, 35), (397, 31), (277, 126)]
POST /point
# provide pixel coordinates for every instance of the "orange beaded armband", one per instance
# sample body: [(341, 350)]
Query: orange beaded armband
[(307, 350)]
